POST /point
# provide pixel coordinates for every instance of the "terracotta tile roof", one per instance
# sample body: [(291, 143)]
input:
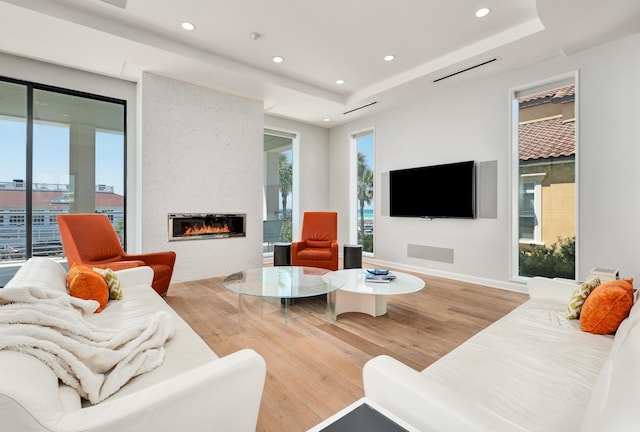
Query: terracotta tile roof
[(43, 199), (545, 139), (549, 95)]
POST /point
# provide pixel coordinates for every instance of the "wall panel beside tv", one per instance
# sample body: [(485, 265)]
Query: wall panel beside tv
[(436, 191)]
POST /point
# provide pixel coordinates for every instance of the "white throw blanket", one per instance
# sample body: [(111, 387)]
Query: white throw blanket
[(96, 362)]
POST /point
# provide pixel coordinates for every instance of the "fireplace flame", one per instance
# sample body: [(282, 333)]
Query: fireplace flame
[(206, 229)]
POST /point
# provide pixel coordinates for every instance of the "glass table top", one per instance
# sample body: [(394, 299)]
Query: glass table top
[(283, 282)]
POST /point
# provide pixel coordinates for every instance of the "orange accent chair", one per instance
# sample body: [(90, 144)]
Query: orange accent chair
[(90, 239), (318, 246)]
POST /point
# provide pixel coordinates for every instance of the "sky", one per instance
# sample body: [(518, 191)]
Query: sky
[(51, 155)]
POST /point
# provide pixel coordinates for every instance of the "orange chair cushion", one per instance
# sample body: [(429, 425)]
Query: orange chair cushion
[(87, 284), (323, 254), (606, 307)]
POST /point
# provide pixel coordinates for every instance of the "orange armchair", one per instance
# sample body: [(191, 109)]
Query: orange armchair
[(90, 239), (318, 246)]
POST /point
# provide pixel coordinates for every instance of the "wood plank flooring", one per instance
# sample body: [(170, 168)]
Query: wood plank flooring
[(315, 369)]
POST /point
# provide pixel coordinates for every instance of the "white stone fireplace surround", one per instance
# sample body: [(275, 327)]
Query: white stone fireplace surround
[(201, 151)]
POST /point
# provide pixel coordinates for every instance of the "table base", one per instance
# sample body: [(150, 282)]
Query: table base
[(371, 304)]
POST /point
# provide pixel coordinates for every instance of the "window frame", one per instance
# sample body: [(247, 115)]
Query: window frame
[(571, 78), (353, 185), (27, 182)]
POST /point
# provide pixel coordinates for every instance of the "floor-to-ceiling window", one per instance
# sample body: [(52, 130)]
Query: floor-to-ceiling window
[(278, 189), (544, 181), (365, 189), (62, 152)]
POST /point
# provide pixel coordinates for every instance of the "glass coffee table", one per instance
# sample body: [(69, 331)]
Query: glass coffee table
[(283, 282)]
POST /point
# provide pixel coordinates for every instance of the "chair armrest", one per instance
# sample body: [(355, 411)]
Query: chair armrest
[(135, 276), (152, 258), (117, 265), (334, 248), (297, 247), (223, 395), (423, 403)]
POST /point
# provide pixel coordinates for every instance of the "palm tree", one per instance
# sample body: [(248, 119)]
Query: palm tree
[(365, 187), (285, 170)]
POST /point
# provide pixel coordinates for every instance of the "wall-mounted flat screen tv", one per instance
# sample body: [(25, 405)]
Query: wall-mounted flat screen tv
[(437, 191)]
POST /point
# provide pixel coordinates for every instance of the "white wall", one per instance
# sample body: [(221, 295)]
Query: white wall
[(201, 153), (312, 169), (472, 122)]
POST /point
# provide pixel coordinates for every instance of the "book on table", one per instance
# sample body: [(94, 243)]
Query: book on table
[(377, 275)]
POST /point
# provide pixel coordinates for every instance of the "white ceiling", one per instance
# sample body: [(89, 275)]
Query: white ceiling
[(321, 41)]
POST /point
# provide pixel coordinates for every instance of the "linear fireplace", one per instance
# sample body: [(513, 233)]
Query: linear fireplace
[(192, 226)]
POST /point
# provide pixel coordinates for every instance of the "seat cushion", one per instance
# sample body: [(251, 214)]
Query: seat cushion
[(315, 254), (534, 368), (185, 351)]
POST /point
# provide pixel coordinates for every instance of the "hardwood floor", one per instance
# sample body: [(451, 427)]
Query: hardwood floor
[(315, 369)]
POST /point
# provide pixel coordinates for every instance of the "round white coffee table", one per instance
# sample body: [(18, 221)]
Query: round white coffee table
[(359, 295)]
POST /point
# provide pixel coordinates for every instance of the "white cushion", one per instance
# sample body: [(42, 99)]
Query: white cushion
[(552, 290), (42, 273)]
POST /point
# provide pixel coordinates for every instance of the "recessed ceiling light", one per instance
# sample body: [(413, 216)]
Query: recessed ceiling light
[(340, 81), (326, 120), (482, 12), (389, 57), (278, 59), (188, 26)]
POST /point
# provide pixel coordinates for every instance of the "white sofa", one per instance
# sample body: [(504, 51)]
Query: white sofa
[(192, 390), (532, 370)]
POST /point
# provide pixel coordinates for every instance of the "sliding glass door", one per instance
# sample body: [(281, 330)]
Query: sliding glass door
[(63, 152)]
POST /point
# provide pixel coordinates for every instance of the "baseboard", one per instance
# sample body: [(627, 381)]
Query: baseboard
[(504, 285)]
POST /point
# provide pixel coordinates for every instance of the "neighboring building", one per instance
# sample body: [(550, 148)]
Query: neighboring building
[(547, 166), (49, 200)]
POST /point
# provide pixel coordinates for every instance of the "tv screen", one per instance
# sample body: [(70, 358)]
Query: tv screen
[(437, 191)]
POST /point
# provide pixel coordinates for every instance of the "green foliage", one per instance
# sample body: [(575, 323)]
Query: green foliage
[(365, 196), (285, 173), (285, 232), (366, 240), (557, 260)]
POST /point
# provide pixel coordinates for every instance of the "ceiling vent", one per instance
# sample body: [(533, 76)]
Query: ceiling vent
[(119, 3), (360, 107), (465, 70)]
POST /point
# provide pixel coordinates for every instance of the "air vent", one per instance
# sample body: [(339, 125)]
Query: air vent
[(360, 107), (465, 70)]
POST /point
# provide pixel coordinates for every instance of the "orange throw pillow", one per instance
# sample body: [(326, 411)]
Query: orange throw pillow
[(606, 307), (86, 284)]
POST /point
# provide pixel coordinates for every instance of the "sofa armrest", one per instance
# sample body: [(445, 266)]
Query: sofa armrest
[(223, 395), (423, 403), (559, 290), (135, 276)]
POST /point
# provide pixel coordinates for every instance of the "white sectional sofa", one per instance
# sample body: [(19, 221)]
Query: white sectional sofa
[(192, 390), (532, 370)]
